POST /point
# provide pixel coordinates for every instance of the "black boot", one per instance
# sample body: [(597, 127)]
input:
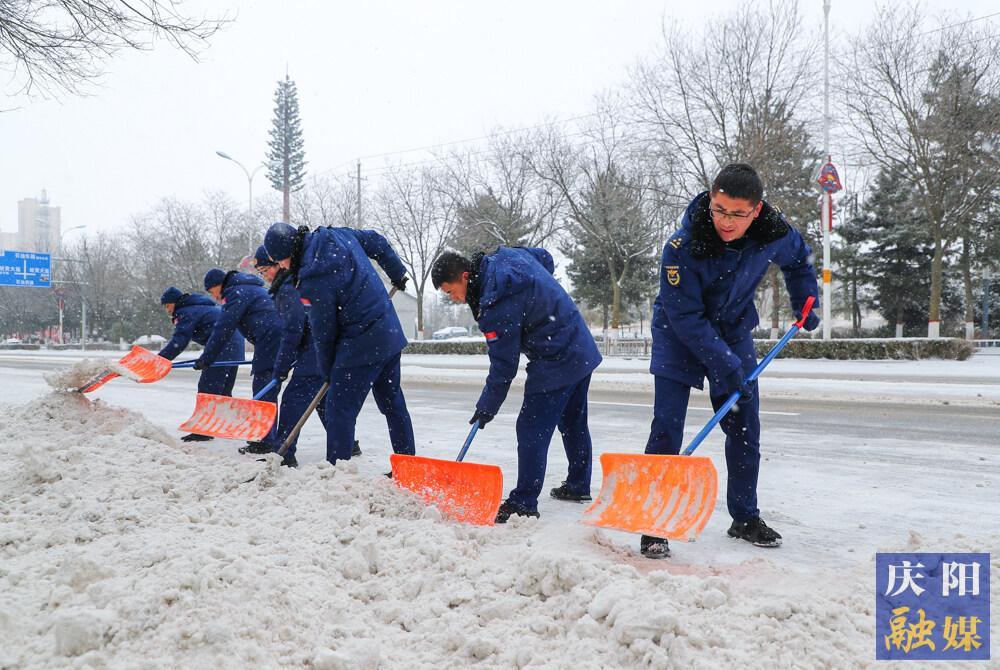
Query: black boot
[(289, 462), (194, 437), (654, 547), (356, 449), (565, 493), (256, 448), (756, 532), (507, 509)]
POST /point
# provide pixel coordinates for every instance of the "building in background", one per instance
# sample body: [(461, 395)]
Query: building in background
[(39, 226)]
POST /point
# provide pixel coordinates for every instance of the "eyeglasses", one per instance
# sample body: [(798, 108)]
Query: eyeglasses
[(732, 216)]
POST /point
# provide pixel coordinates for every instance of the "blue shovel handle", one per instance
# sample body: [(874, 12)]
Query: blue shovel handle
[(468, 442), (217, 364), (735, 395), (263, 392)]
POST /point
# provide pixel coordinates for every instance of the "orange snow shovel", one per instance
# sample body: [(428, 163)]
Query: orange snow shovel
[(140, 365), (144, 367), (234, 418), (469, 492), (668, 496)]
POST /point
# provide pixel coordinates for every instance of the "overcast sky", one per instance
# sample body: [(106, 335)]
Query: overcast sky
[(373, 77)]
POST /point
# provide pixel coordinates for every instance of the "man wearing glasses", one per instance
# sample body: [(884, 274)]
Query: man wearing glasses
[(703, 320)]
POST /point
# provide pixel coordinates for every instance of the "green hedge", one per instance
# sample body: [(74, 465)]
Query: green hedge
[(909, 348), (839, 349), (445, 347)]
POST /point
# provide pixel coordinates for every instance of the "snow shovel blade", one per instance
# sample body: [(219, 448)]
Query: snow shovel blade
[(663, 496), (467, 492), (144, 366), (234, 418), (97, 381)]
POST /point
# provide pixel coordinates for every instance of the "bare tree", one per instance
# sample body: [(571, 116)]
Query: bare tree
[(327, 201), (698, 99), (413, 213), (500, 199), (57, 45), (924, 103), (613, 205)]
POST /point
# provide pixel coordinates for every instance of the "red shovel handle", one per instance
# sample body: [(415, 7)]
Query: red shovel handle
[(806, 308)]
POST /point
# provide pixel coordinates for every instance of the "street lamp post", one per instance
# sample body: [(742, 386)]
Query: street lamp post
[(827, 195), (250, 176)]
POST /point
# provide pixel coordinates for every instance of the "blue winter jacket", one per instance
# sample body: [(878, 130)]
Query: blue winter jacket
[(194, 319), (352, 319), (247, 307), (296, 336), (707, 287), (523, 309)]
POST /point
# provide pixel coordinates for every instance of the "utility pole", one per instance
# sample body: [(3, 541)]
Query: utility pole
[(359, 193), (827, 211)]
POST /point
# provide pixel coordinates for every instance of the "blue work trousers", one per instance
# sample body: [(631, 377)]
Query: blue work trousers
[(541, 414), (220, 381), (348, 389), (261, 379), (741, 426), (299, 392)]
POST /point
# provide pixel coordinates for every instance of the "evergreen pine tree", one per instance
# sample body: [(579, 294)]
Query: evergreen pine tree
[(896, 247), (286, 158), (618, 267), (487, 222)]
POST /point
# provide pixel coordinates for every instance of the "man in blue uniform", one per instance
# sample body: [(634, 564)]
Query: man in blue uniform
[(703, 320), (521, 308), (357, 335), (246, 307), (194, 317), (296, 350)]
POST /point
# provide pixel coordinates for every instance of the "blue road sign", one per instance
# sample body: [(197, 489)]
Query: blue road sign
[(25, 268)]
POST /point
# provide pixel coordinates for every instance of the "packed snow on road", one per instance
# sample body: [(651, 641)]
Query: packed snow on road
[(120, 546)]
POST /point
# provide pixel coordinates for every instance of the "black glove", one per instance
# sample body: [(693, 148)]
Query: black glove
[(482, 417), (200, 364), (734, 382), (812, 321), (400, 283)]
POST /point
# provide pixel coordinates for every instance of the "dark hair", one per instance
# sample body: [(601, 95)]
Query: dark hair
[(739, 180), (449, 267)]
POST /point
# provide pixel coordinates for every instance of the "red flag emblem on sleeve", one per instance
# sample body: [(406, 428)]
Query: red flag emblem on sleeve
[(491, 336), (305, 301)]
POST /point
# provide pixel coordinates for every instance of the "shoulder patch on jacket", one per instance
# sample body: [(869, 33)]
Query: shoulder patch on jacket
[(676, 242), (491, 336), (305, 301), (673, 274)]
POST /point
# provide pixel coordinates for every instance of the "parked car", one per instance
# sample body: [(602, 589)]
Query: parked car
[(150, 341), (12, 340), (450, 332)]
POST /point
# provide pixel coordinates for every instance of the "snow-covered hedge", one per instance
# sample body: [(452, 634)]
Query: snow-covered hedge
[(911, 348), (446, 347), (872, 349)]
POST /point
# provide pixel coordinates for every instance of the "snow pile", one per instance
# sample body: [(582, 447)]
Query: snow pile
[(120, 547), (75, 376)]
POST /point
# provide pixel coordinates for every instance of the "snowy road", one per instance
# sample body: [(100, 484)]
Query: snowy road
[(859, 457), (829, 459)]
